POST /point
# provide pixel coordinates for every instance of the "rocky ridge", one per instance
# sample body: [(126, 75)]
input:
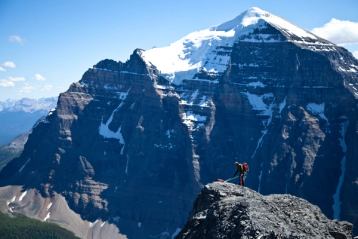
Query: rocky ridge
[(225, 210)]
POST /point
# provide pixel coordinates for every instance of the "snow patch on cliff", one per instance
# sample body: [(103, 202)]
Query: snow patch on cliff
[(317, 109), (282, 105), (263, 104), (47, 217), (337, 195), (24, 165), (108, 133), (190, 119), (22, 196)]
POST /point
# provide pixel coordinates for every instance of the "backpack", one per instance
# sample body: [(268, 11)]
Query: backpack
[(245, 167)]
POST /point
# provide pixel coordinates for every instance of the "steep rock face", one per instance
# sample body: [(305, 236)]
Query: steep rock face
[(224, 210), (290, 120), (133, 142), (115, 147)]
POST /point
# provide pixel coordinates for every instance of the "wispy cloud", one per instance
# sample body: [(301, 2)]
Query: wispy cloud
[(47, 87), (16, 39), (6, 83), (11, 81), (338, 31), (39, 77), (7, 65), (16, 78), (26, 88)]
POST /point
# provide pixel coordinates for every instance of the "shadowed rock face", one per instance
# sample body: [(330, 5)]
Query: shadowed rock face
[(127, 145), (225, 210), (116, 148)]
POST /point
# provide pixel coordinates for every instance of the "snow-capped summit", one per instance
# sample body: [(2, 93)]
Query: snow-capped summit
[(208, 50), (198, 50), (253, 16)]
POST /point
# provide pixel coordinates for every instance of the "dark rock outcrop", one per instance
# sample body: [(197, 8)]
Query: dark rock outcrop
[(225, 210)]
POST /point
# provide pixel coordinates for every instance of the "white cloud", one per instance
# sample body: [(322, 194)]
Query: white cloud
[(11, 81), (355, 54), (338, 31), (39, 77), (6, 83), (7, 65), (16, 39), (27, 88)]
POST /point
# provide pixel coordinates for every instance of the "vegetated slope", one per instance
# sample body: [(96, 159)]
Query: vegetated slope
[(21, 227)]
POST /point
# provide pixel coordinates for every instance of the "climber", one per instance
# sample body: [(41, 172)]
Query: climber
[(242, 169)]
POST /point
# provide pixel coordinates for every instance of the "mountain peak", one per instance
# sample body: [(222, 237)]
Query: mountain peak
[(254, 16), (198, 50), (246, 18)]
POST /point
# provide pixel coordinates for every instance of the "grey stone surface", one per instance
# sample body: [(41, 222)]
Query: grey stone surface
[(225, 210)]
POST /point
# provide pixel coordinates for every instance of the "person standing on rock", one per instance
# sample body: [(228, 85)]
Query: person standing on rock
[(242, 169)]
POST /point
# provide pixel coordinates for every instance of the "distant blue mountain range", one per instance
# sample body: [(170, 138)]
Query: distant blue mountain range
[(18, 116)]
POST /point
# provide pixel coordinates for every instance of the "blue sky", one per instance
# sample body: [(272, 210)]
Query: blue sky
[(47, 45)]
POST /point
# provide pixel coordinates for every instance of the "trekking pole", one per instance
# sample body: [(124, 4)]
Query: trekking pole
[(230, 179)]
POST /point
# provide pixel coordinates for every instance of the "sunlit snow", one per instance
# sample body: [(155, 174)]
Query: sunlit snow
[(22, 196), (107, 133), (47, 217), (199, 50)]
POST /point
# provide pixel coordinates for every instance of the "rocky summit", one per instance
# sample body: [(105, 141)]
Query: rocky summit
[(225, 210), (132, 143)]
